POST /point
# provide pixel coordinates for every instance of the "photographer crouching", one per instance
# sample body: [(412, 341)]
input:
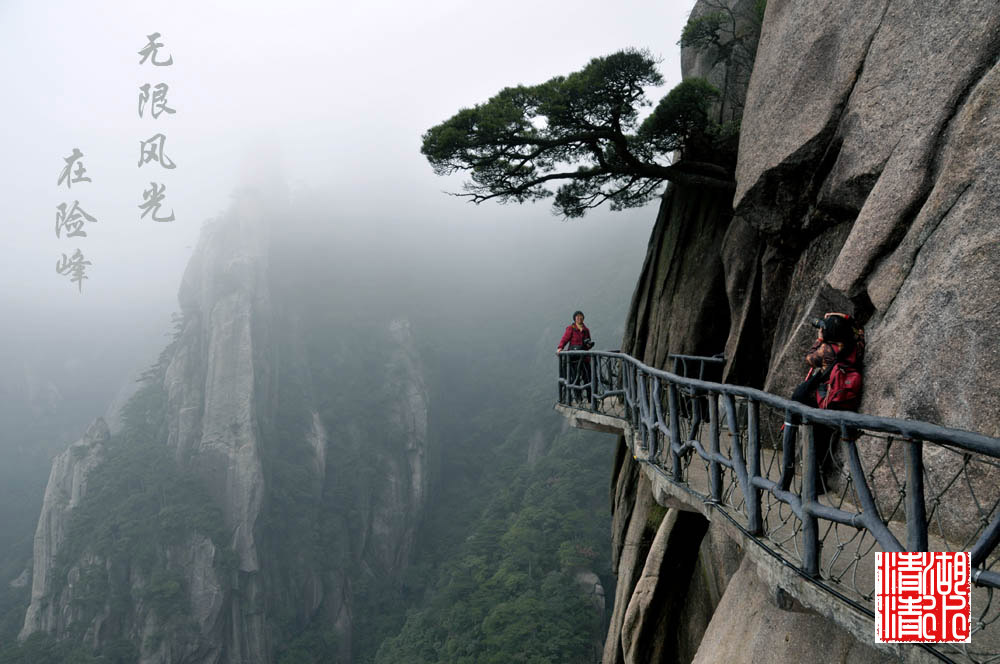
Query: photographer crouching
[(834, 380)]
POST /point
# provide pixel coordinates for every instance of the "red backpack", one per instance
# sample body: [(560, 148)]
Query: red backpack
[(842, 388)]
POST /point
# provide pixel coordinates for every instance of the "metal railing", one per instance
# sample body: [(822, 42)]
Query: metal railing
[(825, 493), (708, 368)]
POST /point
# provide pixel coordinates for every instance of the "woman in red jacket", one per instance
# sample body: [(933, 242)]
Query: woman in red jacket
[(577, 337)]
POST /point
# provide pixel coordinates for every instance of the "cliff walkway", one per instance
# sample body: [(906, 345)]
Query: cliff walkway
[(813, 502)]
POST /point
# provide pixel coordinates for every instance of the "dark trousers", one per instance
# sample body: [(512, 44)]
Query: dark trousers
[(826, 438), (805, 393), (579, 373)]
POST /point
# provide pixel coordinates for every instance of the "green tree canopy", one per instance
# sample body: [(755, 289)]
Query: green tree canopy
[(581, 132)]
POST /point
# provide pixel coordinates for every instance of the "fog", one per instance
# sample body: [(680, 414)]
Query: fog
[(325, 103), (328, 100)]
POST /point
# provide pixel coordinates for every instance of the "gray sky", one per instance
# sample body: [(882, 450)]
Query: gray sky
[(344, 90)]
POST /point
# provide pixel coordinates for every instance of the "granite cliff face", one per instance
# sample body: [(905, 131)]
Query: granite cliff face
[(233, 425), (877, 154), (865, 183)]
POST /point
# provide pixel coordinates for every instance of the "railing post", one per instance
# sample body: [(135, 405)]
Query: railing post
[(621, 378), (656, 415), (562, 375), (627, 382), (637, 392), (649, 417), (756, 522), (787, 452), (916, 511), (675, 431), (810, 527), (714, 469), (643, 400), (594, 369)]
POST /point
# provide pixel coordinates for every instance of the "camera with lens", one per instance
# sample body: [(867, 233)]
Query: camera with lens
[(836, 327)]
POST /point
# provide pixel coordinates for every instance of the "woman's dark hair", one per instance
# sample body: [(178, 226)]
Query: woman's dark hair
[(838, 330), (577, 313)]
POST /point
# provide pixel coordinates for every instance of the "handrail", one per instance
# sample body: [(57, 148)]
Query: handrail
[(681, 363), (883, 482), (972, 441)]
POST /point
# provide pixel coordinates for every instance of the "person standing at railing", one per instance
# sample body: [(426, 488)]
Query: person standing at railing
[(577, 337)]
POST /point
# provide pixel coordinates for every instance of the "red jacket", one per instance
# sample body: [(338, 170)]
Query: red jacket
[(573, 336), (841, 390)]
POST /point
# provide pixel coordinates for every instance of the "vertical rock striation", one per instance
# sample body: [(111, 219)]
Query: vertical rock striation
[(400, 517), (218, 388)]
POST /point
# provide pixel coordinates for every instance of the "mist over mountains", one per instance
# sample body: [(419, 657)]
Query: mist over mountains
[(363, 393)]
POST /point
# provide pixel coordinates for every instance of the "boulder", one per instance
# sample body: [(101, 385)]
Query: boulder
[(629, 564), (652, 628)]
